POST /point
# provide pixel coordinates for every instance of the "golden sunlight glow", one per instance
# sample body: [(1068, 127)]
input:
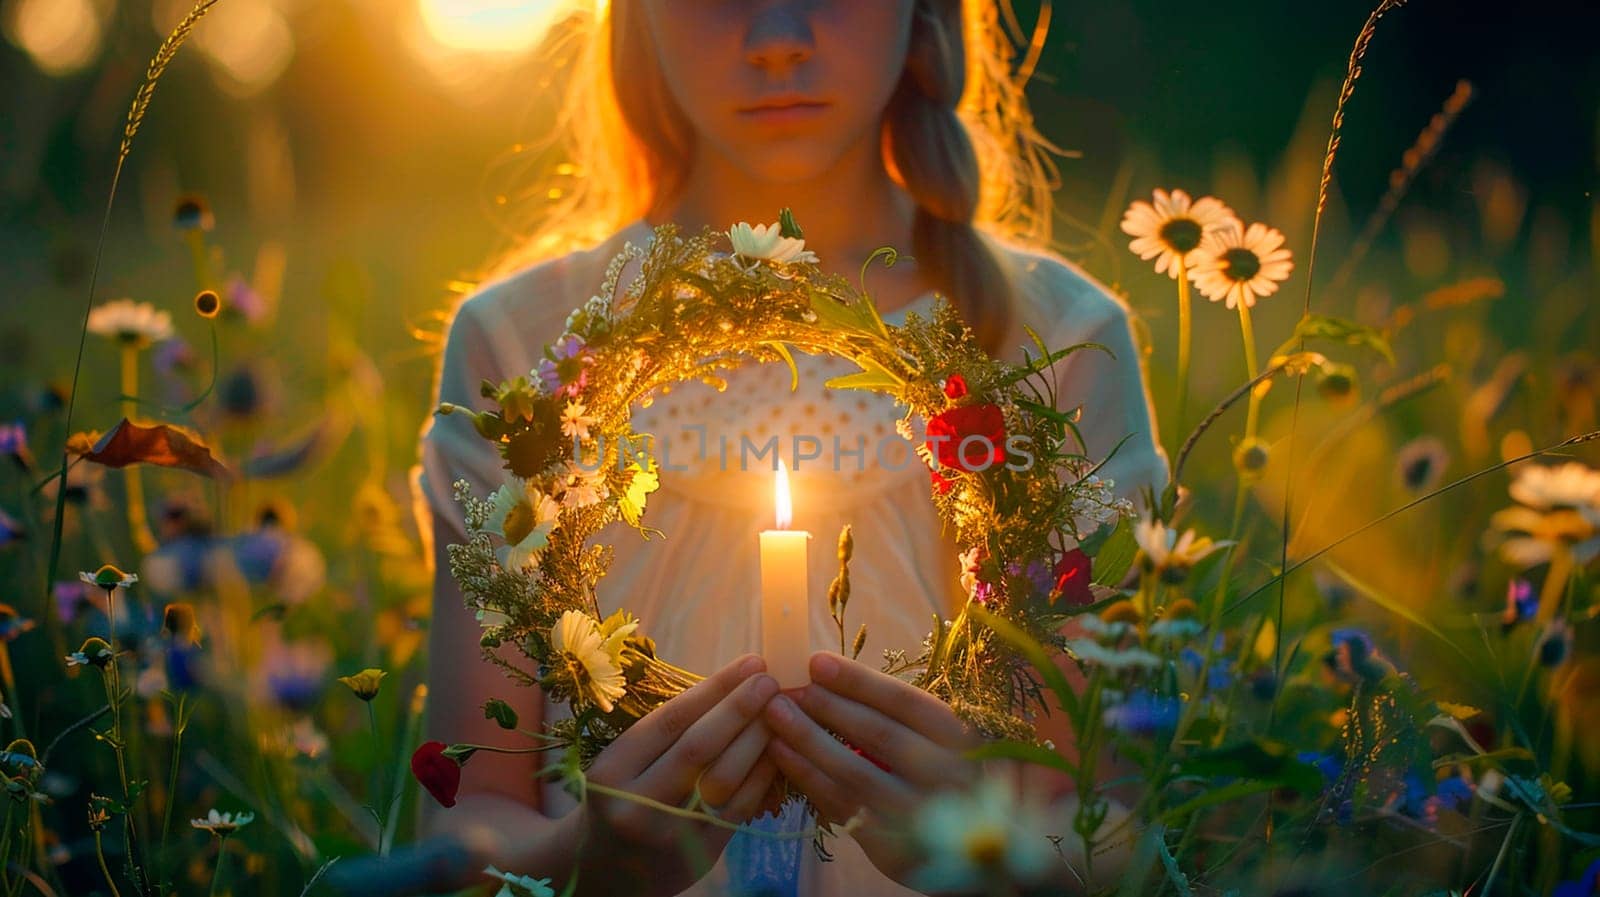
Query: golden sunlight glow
[(493, 26), (247, 43), (780, 496), (61, 36)]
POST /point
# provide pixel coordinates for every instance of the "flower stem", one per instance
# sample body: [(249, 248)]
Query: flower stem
[(1185, 332), (1248, 332), (172, 786), (100, 854), (138, 522), (377, 750), (216, 871)]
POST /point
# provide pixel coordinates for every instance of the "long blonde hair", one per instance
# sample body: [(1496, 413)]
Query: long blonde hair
[(957, 136)]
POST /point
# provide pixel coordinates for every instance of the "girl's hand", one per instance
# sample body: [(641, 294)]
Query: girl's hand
[(711, 736), (907, 744)]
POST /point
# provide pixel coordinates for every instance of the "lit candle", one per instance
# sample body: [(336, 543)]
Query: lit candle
[(785, 611)]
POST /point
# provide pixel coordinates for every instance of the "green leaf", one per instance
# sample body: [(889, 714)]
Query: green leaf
[(873, 376), (1174, 874), (794, 372), (1022, 750), (1219, 795), (1116, 555), (1034, 653), (1489, 759), (1328, 327), (1266, 762), (501, 713), (1044, 411)]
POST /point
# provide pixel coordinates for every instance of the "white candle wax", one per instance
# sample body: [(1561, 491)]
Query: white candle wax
[(785, 608)]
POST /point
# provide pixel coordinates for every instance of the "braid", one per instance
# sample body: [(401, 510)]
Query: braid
[(933, 155)]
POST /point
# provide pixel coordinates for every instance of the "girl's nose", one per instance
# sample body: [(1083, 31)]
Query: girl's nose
[(779, 35)]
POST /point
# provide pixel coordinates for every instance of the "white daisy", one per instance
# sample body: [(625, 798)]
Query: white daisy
[(520, 885), (1167, 554), (1172, 229), (1117, 660), (135, 323), (766, 241), (1238, 266), (1571, 485), (524, 516), (222, 824), (584, 663), (980, 837), (576, 421), (1559, 510)]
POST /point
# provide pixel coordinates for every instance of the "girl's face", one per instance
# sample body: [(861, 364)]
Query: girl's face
[(782, 89)]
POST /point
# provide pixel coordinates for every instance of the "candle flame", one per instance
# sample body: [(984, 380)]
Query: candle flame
[(780, 496)]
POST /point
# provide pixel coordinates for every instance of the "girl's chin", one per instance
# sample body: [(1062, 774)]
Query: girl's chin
[(787, 165)]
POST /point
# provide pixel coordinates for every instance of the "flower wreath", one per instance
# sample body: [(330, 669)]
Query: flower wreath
[(528, 568)]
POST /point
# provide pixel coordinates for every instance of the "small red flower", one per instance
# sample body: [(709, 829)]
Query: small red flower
[(941, 483), (955, 387), (1072, 578), (972, 438), (437, 773)]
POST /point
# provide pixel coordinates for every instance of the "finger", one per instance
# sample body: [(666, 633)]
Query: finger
[(745, 804), (905, 703), (646, 740), (724, 776), (845, 771), (673, 774), (834, 802), (909, 754)]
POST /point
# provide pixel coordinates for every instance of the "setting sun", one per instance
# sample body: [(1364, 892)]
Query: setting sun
[(496, 26)]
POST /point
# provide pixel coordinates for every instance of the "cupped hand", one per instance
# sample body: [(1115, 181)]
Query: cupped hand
[(903, 746), (711, 736)]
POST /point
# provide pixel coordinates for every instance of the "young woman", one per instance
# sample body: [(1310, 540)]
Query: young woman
[(887, 123)]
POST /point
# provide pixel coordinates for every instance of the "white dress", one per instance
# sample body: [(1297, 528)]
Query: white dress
[(697, 590)]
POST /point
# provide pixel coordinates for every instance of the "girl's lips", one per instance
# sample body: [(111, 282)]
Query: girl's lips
[(785, 113)]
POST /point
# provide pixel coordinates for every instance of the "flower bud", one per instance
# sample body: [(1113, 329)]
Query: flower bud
[(1336, 382), (1251, 456)]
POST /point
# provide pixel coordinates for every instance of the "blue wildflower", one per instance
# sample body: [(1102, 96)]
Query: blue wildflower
[(1354, 658), (1521, 603), (1219, 677), (1326, 763), (1143, 713), (1585, 885), (14, 442), (11, 531)]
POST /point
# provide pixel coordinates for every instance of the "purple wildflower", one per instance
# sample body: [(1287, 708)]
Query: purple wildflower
[(72, 599), (565, 367)]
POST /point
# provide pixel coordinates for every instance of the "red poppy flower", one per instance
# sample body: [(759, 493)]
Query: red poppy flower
[(1072, 578), (437, 773), (955, 387), (972, 438)]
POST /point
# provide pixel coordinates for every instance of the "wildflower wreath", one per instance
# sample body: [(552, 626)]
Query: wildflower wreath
[(528, 568)]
